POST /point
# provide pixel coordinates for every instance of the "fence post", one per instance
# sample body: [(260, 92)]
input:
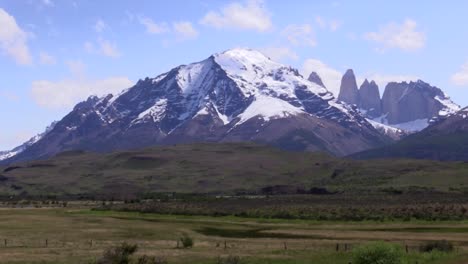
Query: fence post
[(406, 247), (46, 243), (337, 247), (225, 245), (285, 246)]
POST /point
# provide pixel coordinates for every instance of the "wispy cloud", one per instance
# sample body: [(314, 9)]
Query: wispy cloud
[(185, 30), (250, 15), (67, 92), (102, 47), (100, 26), (460, 78), (153, 27), (46, 59), (300, 35), (13, 40), (404, 36)]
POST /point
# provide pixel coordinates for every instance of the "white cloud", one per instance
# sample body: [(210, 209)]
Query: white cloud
[(331, 77), (102, 47), (152, 27), (46, 59), (100, 26), (300, 35), (108, 49), (403, 36), (460, 78), (67, 93), (280, 53), (13, 40), (185, 30), (332, 24), (250, 15)]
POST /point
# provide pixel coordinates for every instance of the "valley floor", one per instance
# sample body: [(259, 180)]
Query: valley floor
[(67, 235)]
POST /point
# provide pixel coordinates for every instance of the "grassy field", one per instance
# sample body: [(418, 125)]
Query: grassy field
[(219, 168), (81, 235)]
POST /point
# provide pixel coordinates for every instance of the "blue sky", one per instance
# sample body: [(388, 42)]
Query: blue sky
[(55, 53)]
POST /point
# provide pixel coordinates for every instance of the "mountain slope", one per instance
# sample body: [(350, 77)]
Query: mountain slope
[(15, 151), (445, 139), (217, 168), (237, 95)]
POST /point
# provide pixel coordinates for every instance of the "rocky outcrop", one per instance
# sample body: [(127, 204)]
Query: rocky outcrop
[(315, 78), (369, 99), (405, 102), (349, 92)]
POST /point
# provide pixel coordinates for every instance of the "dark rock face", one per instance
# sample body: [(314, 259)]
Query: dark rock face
[(315, 78), (349, 92), (227, 97), (369, 99), (405, 102)]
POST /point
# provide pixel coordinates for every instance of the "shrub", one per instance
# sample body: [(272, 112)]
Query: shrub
[(229, 260), (378, 253), (118, 255), (440, 245), (151, 260), (187, 241)]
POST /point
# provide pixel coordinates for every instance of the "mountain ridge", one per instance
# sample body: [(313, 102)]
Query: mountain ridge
[(239, 95)]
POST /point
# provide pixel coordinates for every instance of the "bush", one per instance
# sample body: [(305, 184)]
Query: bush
[(151, 260), (187, 242), (440, 245), (229, 260), (378, 253), (123, 253), (118, 255)]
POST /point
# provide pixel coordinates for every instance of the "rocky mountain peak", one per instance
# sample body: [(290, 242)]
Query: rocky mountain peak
[(415, 101), (349, 92), (315, 78), (369, 99)]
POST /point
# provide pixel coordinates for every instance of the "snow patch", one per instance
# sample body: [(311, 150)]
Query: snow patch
[(450, 107), (268, 108), (155, 113), (386, 128), (413, 126)]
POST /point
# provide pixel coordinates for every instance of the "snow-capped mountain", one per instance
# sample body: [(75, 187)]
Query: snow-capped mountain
[(237, 95), (15, 151)]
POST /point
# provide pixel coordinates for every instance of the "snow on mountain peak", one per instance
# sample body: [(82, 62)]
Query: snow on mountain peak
[(268, 108), (257, 74)]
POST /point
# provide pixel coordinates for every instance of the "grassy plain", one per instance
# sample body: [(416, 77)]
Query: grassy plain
[(66, 235)]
